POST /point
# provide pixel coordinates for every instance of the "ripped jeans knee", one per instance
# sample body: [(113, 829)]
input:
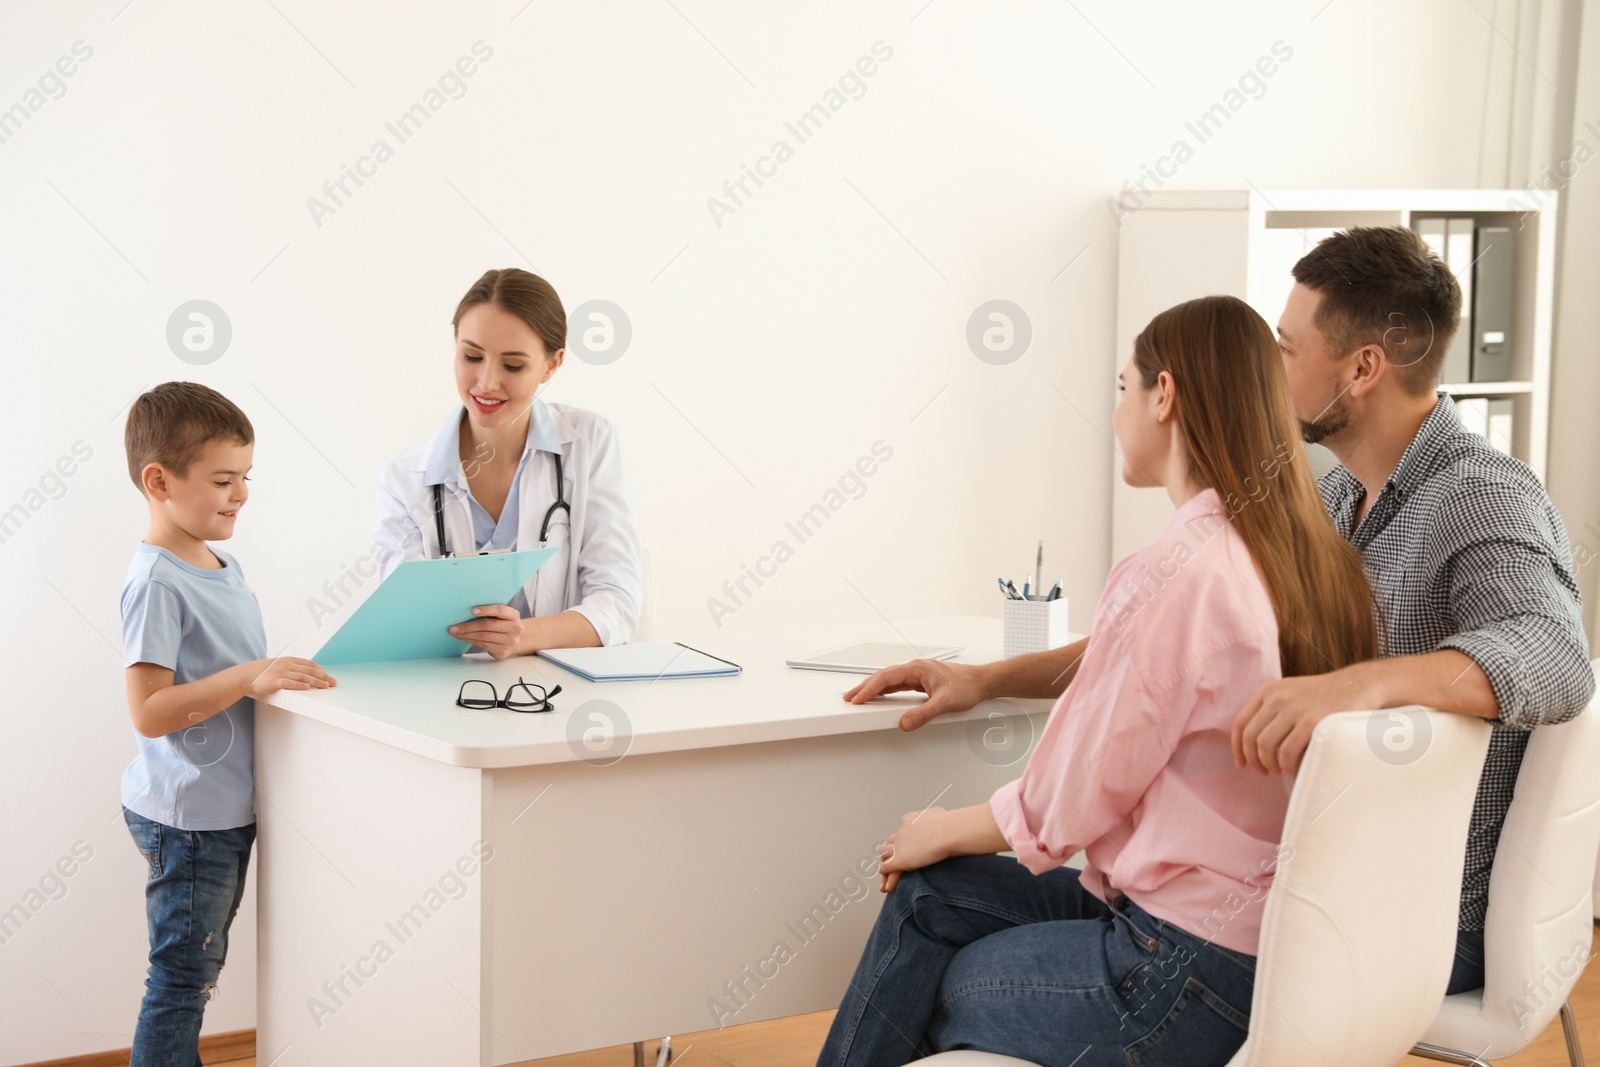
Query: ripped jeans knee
[(194, 884)]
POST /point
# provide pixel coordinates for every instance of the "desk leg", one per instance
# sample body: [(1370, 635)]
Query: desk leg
[(371, 902)]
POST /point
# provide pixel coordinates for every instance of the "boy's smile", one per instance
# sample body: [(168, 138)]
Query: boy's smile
[(203, 504)]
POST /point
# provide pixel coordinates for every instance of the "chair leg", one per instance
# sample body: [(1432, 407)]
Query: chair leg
[(1449, 1055), (1569, 1026), (664, 1056)]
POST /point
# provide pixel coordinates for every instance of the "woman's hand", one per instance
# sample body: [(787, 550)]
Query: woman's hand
[(920, 842), (933, 834), (497, 630)]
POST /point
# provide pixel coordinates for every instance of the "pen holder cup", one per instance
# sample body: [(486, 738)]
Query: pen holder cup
[(1035, 626)]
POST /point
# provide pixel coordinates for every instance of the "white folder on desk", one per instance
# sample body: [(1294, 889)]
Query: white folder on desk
[(642, 662)]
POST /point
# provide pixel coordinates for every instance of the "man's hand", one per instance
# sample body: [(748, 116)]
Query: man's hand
[(950, 687), (1272, 730), (497, 630)]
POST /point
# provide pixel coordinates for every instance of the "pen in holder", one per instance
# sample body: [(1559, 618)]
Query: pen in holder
[(1035, 625)]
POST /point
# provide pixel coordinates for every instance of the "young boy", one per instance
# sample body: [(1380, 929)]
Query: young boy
[(194, 647)]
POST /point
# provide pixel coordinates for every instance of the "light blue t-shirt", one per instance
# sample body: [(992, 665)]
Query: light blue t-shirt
[(195, 622)]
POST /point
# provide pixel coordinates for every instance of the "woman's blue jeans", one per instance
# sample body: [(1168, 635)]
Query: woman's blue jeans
[(977, 952), (1466, 972), (195, 882)]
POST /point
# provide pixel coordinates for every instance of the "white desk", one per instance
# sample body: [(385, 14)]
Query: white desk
[(623, 894)]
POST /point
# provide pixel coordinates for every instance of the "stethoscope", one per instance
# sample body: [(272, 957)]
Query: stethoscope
[(544, 527)]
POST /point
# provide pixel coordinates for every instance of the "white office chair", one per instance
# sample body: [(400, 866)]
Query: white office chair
[(1351, 971), (1541, 916)]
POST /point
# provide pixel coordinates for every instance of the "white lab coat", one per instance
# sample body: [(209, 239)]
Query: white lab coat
[(597, 571)]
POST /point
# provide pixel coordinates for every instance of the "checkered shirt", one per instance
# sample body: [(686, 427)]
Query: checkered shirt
[(1465, 551)]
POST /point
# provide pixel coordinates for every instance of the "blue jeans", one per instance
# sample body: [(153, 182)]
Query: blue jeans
[(977, 952), (195, 881), (1466, 974)]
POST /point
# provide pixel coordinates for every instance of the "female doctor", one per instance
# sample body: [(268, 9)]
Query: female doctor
[(508, 470)]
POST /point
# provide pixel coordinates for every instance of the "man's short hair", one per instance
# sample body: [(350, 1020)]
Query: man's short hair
[(1383, 285), (173, 422)]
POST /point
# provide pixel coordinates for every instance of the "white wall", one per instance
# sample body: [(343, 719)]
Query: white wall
[(769, 353)]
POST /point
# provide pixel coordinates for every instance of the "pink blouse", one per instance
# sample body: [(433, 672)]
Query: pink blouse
[(1135, 765)]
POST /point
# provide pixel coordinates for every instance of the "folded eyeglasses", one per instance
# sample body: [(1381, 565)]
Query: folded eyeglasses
[(522, 696)]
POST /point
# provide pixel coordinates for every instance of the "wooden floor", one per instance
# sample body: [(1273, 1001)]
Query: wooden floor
[(794, 1042)]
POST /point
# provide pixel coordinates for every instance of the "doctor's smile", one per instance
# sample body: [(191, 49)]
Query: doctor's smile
[(509, 472)]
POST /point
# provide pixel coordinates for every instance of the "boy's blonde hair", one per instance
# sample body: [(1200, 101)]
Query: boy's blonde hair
[(171, 423)]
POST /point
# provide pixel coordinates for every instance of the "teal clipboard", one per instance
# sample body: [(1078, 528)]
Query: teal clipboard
[(408, 615)]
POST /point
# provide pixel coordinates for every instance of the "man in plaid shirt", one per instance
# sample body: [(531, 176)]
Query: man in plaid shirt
[(1468, 558)]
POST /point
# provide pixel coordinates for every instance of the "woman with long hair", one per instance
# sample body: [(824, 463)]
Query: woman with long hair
[(1147, 956), (509, 471)]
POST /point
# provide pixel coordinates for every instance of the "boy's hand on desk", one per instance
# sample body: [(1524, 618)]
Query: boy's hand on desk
[(497, 630), (950, 687), (286, 672)]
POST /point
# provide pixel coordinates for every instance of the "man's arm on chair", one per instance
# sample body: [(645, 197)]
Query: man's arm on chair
[(953, 687), (1274, 727), (1519, 657)]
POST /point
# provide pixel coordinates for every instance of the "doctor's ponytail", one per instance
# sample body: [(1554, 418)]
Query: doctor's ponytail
[(527, 296)]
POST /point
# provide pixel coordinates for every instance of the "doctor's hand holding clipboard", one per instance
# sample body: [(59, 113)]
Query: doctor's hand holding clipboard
[(508, 471)]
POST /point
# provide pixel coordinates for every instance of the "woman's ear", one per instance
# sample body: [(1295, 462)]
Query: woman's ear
[(555, 365), (1166, 396)]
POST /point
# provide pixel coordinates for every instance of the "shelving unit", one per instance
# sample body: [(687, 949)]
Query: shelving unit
[(1176, 245), (1488, 388)]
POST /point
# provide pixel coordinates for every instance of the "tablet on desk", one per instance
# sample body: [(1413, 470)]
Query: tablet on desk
[(646, 662), (869, 656)]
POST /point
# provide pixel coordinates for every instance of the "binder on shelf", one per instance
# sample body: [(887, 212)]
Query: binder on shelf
[(1460, 237), (1489, 417), (1474, 413), (1271, 268), (1501, 423), (1492, 282), (1432, 232)]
